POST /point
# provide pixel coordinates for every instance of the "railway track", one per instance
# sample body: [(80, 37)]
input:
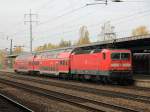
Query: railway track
[(91, 105), (10, 105), (116, 86), (107, 93)]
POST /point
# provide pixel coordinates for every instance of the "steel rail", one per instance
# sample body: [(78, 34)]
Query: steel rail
[(108, 93), (117, 86), (74, 100), (16, 104)]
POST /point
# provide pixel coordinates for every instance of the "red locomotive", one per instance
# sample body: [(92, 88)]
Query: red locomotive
[(106, 65)]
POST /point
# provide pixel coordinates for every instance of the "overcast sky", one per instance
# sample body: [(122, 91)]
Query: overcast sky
[(61, 19)]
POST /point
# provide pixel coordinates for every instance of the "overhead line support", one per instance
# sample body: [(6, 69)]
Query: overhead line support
[(30, 21)]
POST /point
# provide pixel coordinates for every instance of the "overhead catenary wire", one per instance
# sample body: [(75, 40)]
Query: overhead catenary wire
[(49, 2), (59, 33), (58, 18), (115, 19), (70, 11), (19, 23)]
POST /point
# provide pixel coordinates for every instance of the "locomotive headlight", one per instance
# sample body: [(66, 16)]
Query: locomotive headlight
[(126, 65), (115, 65)]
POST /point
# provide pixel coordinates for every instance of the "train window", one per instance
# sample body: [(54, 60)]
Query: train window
[(97, 51), (68, 50), (83, 52), (125, 56), (120, 56), (115, 56), (42, 55), (92, 52), (104, 56), (60, 62), (36, 63), (63, 62)]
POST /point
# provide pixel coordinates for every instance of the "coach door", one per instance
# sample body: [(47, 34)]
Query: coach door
[(103, 61), (63, 65)]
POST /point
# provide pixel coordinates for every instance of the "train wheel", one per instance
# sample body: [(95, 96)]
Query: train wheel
[(67, 77), (101, 79), (30, 72), (74, 76), (87, 77), (38, 73), (64, 76), (70, 76), (104, 80), (130, 81), (60, 76), (77, 77), (16, 71), (121, 82), (80, 77), (110, 81)]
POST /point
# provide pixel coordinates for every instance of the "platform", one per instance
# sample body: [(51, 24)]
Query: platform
[(142, 80)]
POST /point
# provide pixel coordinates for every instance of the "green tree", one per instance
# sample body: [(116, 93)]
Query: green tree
[(39, 48), (64, 43), (18, 50), (3, 56), (51, 46), (84, 36)]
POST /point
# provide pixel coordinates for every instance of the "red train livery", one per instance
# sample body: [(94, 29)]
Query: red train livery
[(97, 64)]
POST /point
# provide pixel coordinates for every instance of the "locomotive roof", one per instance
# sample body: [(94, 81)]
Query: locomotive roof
[(75, 49), (91, 46)]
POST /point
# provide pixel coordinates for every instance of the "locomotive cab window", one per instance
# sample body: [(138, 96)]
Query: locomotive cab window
[(125, 56), (82, 52), (120, 56), (115, 56), (97, 50)]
